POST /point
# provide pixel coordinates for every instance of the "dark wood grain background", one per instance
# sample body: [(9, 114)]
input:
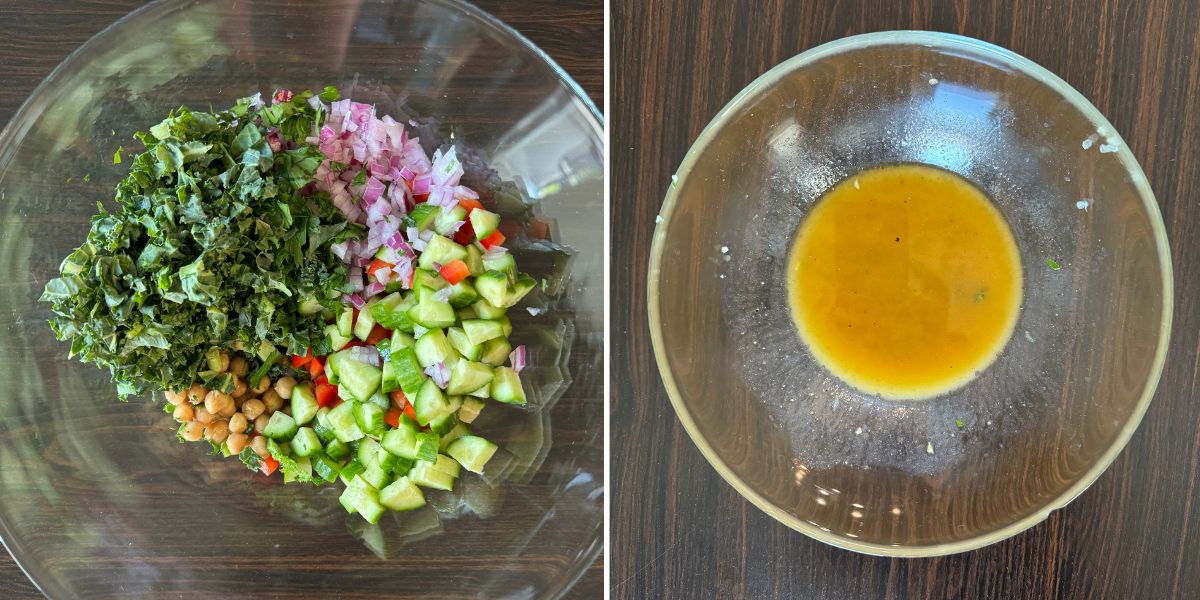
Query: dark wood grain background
[(36, 36), (678, 530)]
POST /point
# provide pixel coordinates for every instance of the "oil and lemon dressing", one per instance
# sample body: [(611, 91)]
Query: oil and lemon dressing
[(904, 281)]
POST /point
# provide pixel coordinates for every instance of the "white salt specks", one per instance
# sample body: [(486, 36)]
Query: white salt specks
[(929, 448), (1087, 143), (1028, 337), (1082, 205), (1108, 148), (933, 81), (724, 249), (858, 431), (658, 219)]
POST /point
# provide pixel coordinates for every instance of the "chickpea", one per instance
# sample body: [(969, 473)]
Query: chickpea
[(239, 345), (238, 366), (264, 382), (272, 400), (260, 424), (284, 386), (217, 402), (236, 442), (217, 431), (193, 431), (238, 423), (183, 412), (176, 397), (259, 444), (196, 393), (223, 362), (253, 407), (203, 416), (239, 387)]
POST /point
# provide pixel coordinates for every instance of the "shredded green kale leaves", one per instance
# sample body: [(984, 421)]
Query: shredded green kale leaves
[(213, 244)]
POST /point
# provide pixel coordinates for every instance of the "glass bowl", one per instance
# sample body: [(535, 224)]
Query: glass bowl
[(968, 467), (97, 498)]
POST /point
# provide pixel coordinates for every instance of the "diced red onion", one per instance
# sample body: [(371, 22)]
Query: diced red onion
[(373, 289), (366, 354), (407, 174), (362, 261), (384, 275), (465, 193), (437, 266), (421, 184), (395, 241), (372, 191), (454, 227), (341, 251), (282, 95), (439, 373), (427, 235), (517, 358), (357, 301), (404, 272)]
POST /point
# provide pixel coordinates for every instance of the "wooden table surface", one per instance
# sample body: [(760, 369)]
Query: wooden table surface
[(35, 36), (679, 530)]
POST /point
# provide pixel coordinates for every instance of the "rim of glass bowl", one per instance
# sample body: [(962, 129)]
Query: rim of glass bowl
[(37, 101), (932, 40)]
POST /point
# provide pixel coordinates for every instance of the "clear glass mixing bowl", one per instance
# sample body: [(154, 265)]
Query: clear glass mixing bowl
[(98, 500), (1037, 426)]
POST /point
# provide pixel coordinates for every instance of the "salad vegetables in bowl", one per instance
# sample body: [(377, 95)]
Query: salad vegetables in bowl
[(292, 319)]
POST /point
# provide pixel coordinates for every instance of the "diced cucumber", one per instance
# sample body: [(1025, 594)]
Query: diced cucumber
[(431, 312), (505, 325), (474, 259), (430, 403), (359, 379), (458, 340), (391, 380), (423, 215), (337, 449), (281, 426), (337, 341), (506, 386), (447, 465), (345, 322), (429, 279), (401, 441), (407, 371), (523, 285), (402, 340), (341, 419), (365, 321), (440, 250), (460, 429), (492, 287), (485, 309), (376, 475), (480, 330), (467, 376), (304, 403), (495, 352), (433, 348), (463, 294), (483, 392), (349, 471), (325, 467), (364, 497), (386, 460), (470, 409), (472, 452), (324, 432), (381, 400), (366, 451), (402, 495), (465, 313), (424, 474), (370, 418), (303, 471), (403, 466), (484, 222), (500, 261), (445, 220), (391, 311), (330, 375), (427, 445), (305, 442), (443, 425)]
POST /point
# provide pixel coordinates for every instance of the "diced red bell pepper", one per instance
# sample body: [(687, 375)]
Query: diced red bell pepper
[(470, 204), (399, 400), (377, 333), (495, 239), (421, 198), (316, 367), (393, 416), (335, 402), (321, 379), (268, 465), (412, 414), (465, 234), (326, 393), (299, 361), (454, 271), (377, 265)]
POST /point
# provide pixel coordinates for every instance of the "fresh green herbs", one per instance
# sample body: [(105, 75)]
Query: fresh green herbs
[(1053, 264), (958, 423), (212, 244)]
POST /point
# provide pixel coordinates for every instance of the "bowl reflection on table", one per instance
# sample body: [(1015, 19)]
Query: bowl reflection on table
[(1038, 425), (97, 499)]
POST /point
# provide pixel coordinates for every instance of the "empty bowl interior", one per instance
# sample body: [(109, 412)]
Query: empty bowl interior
[(967, 467)]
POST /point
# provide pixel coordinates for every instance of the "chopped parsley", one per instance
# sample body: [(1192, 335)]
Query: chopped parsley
[(1053, 264)]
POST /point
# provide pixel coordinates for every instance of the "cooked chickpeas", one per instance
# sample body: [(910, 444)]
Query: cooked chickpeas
[(183, 412), (253, 407), (218, 402), (272, 400), (238, 366), (264, 382), (217, 431), (193, 431), (236, 442), (176, 397), (238, 423), (260, 424), (203, 416), (239, 387), (196, 393), (259, 444), (223, 362), (284, 386)]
